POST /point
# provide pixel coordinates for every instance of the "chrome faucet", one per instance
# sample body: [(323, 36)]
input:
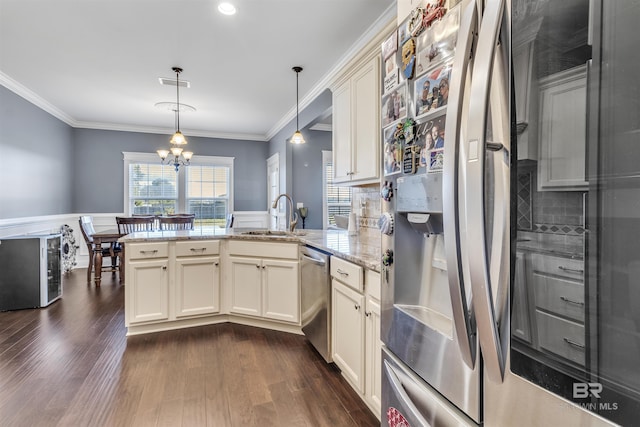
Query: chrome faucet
[(293, 215)]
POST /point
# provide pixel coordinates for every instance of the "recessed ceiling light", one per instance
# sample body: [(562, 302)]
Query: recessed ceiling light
[(227, 8)]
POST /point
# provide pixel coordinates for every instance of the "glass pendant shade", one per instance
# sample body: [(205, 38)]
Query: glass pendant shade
[(178, 138), (297, 138)]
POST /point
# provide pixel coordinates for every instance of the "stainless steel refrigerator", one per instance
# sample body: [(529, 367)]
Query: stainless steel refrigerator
[(511, 250)]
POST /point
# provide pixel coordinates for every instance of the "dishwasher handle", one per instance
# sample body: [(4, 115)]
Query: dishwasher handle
[(314, 260)]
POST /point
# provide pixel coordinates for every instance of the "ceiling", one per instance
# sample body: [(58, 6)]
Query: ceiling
[(96, 63)]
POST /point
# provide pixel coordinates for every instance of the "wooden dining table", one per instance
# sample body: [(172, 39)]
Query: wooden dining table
[(107, 236)]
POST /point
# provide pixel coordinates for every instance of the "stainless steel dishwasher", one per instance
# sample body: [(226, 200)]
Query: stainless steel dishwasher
[(315, 291)]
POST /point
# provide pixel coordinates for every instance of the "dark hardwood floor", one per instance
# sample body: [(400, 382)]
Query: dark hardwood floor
[(70, 364)]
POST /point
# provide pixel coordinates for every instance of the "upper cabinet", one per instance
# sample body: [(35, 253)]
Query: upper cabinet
[(562, 129), (356, 125), (526, 90)]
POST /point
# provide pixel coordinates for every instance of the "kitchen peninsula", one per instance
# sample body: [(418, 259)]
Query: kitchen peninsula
[(185, 278)]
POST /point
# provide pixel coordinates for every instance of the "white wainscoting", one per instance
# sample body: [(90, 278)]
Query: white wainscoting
[(49, 224), (250, 219)]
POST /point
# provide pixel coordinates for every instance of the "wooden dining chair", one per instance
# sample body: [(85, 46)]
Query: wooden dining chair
[(131, 224), (112, 250), (177, 222)]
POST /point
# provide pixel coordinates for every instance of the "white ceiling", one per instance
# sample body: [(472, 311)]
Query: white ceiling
[(96, 63)]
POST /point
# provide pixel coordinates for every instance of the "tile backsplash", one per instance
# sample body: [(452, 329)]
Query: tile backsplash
[(555, 212), (365, 202)]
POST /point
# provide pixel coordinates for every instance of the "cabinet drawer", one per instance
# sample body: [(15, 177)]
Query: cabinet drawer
[(560, 296), (350, 274), (372, 281), (565, 267), (147, 250), (198, 247), (562, 337), (263, 249)]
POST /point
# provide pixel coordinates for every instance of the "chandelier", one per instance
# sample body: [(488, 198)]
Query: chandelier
[(178, 156)]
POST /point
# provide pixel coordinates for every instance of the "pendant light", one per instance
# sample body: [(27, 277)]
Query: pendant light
[(180, 157), (297, 137)]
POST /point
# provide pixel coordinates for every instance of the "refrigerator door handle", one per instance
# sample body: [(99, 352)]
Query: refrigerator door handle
[(482, 274), (463, 320), (396, 385)]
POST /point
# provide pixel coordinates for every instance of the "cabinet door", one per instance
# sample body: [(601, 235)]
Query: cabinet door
[(348, 333), (197, 286), (365, 149), (373, 380), (563, 112), (246, 287), (341, 123), (281, 296), (147, 291), (520, 316)]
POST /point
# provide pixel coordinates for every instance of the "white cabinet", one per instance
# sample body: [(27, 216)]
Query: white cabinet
[(521, 314), (356, 125), (262, 285), (170, 281), (526, 97), (197, 279), (246, 285), (147, 283), (348, 333), (563, 108), (373, 351), (356, 343)]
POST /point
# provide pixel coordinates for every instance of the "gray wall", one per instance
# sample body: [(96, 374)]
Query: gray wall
[(100, 168), (36, 173), (307, 183), (280, 144)]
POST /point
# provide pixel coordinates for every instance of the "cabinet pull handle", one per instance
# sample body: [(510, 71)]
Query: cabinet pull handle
[(344, 273), (568, 301), (570, 270), (356, 306), (573, 343), (149, 252), (198, 249)]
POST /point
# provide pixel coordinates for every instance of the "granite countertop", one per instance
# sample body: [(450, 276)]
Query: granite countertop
[(360, 249)]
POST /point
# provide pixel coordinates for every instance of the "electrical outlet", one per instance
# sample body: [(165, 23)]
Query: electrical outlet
[(299, 205)]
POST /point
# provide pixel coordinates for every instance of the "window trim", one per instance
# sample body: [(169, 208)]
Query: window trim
[(327, 157), (135, 157)]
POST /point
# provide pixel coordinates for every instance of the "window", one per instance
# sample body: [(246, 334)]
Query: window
[(336, 200), (203, 188)]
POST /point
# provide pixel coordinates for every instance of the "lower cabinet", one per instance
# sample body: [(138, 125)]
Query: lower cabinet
[(261, 285), (348, 333), (197, 286), (170, 281), (148, 291), (357, 348), (373, 352)]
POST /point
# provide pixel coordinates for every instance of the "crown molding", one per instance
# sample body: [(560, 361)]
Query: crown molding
[(362, 44), (35, 99), (169, 131), (322, 126)]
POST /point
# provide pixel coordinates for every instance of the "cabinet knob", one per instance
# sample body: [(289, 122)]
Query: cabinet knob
[(356, 306), (164, 267), (264, 266), (216, 264), (367, 313), (257, 266)]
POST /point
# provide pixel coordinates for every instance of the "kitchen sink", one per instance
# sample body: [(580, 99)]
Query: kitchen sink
[(273, 233)]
